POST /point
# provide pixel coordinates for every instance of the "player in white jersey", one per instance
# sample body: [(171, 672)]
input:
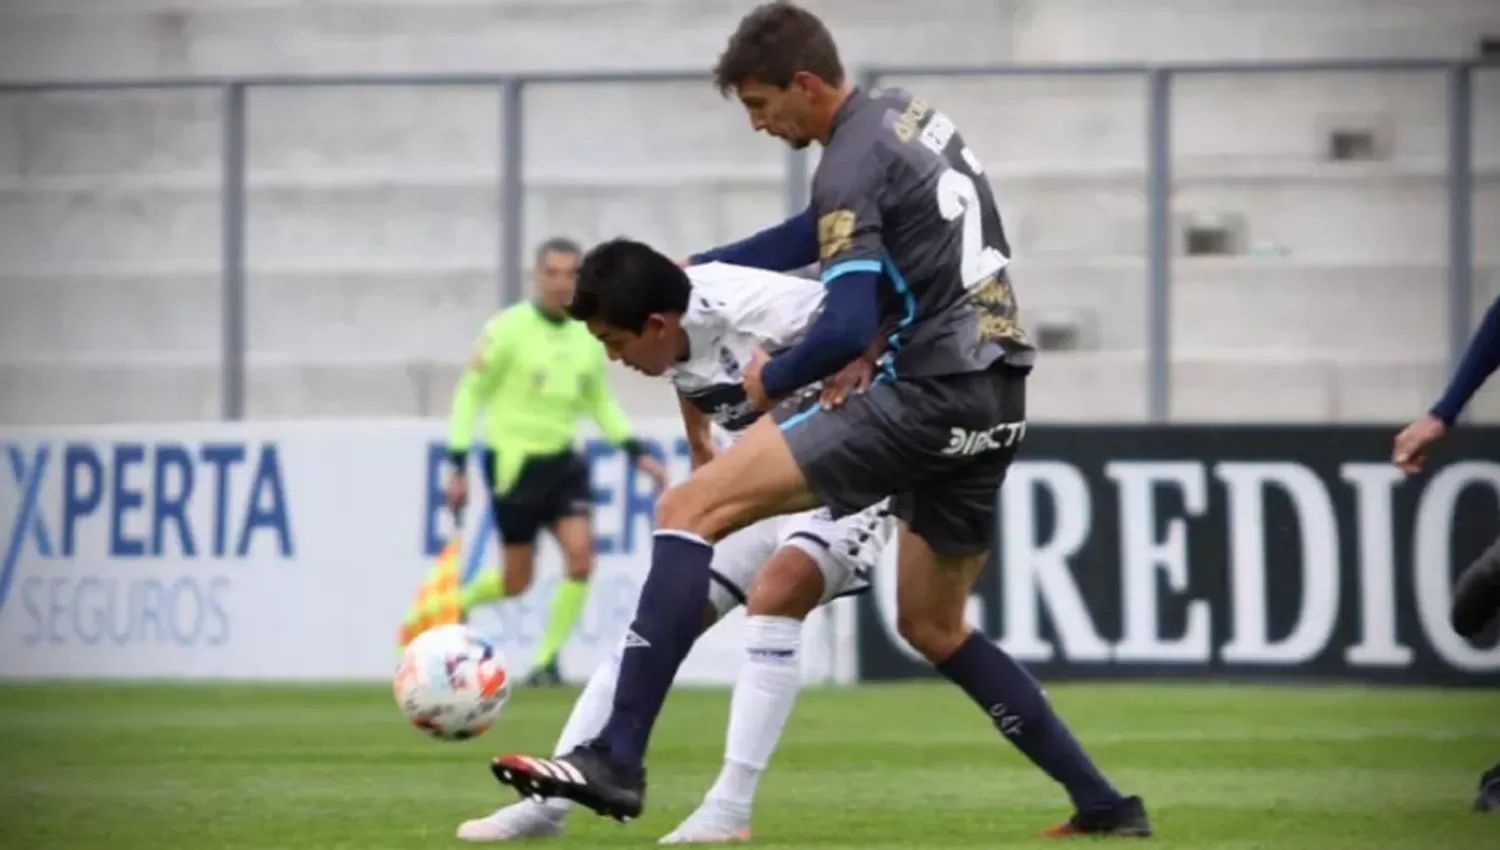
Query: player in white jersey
[(698, 328)]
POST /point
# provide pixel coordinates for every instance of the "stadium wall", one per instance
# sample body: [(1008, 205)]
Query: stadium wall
[(290, 550)]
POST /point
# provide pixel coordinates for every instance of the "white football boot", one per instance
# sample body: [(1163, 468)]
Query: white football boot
[(714, 822), (526, 819)]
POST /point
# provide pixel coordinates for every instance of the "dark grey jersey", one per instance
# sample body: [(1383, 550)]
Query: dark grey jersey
[(898, 192)]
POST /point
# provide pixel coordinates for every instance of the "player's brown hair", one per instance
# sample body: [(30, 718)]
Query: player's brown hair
[(775, 41)]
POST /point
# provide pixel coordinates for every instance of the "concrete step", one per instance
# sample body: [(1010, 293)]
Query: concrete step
[(119, 390), (48, 41), (1264, 305), (1220, 118), (45, 38), (435, 219), (1014, 124), (1332, 214), (1246, 306), (139, 134), (1080, 387), (1107, 387), (1216, 30), (418, 313)]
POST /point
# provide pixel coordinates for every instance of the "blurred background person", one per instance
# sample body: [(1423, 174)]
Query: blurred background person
[(533, 374)]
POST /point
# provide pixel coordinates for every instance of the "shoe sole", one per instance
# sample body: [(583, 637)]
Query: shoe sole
[(532, 785), (741, 836), (1123, 832)]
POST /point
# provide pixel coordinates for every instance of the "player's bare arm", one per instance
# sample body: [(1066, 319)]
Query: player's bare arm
[(854, 378), (699, 430)]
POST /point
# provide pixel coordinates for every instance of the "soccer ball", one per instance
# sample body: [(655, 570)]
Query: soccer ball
[(451, 683)]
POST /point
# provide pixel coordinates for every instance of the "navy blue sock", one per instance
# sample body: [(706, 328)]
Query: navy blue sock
[(668, 620), (1015, 703)]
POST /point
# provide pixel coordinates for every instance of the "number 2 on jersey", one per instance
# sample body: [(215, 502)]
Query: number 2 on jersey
[(957, 196)]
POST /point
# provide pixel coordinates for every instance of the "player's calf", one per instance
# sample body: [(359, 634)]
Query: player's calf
[(932, 591), (783, 594), (733, 490)]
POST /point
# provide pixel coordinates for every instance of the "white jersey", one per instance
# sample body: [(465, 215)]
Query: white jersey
[(733, 311)]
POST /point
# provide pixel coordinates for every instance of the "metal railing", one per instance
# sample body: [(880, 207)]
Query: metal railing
[(510, 189), (1158, 235)]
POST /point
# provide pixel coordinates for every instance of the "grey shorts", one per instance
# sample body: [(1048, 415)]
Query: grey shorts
[(939, 447)]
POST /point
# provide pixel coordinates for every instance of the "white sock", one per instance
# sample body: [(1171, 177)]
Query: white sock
[(590, 712), (763, 698)]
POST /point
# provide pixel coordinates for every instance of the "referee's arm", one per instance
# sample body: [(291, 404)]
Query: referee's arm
[(475, 386), (606, 410), (699, 431)]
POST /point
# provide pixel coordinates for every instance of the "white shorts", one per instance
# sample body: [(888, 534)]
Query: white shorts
[(846, 552)]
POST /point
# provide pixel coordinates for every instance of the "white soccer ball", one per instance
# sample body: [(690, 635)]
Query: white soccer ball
[(452, 683)]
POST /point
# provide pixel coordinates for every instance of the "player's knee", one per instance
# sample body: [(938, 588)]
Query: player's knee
[(935, 639), (780, 600), (790, 585), (682, 507)]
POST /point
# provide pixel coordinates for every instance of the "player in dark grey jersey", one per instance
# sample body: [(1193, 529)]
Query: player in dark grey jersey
[(911, 247)]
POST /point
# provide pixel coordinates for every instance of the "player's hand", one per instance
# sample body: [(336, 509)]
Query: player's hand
[(850, 380), (754, 389), (655, 470), (1414, 440), (456, 492)]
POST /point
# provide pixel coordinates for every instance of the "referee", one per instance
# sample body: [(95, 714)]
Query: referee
[(534, 373)]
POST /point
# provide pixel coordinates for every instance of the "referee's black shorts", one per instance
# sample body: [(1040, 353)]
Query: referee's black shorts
[(548, 488)]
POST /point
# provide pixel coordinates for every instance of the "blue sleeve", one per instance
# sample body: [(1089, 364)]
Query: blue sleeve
[(850, 318), (789, 245), (1479, 362)]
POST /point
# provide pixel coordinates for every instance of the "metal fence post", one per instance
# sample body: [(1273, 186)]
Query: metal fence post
[(511, 203), (1159, 244), (232, 361), (1460, 210)]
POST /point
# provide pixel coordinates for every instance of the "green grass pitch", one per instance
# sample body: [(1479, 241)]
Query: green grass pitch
[(324, 767)]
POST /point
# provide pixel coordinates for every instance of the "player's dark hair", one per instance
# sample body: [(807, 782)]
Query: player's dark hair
[(557, 245), (622, 282), (773, 43)]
